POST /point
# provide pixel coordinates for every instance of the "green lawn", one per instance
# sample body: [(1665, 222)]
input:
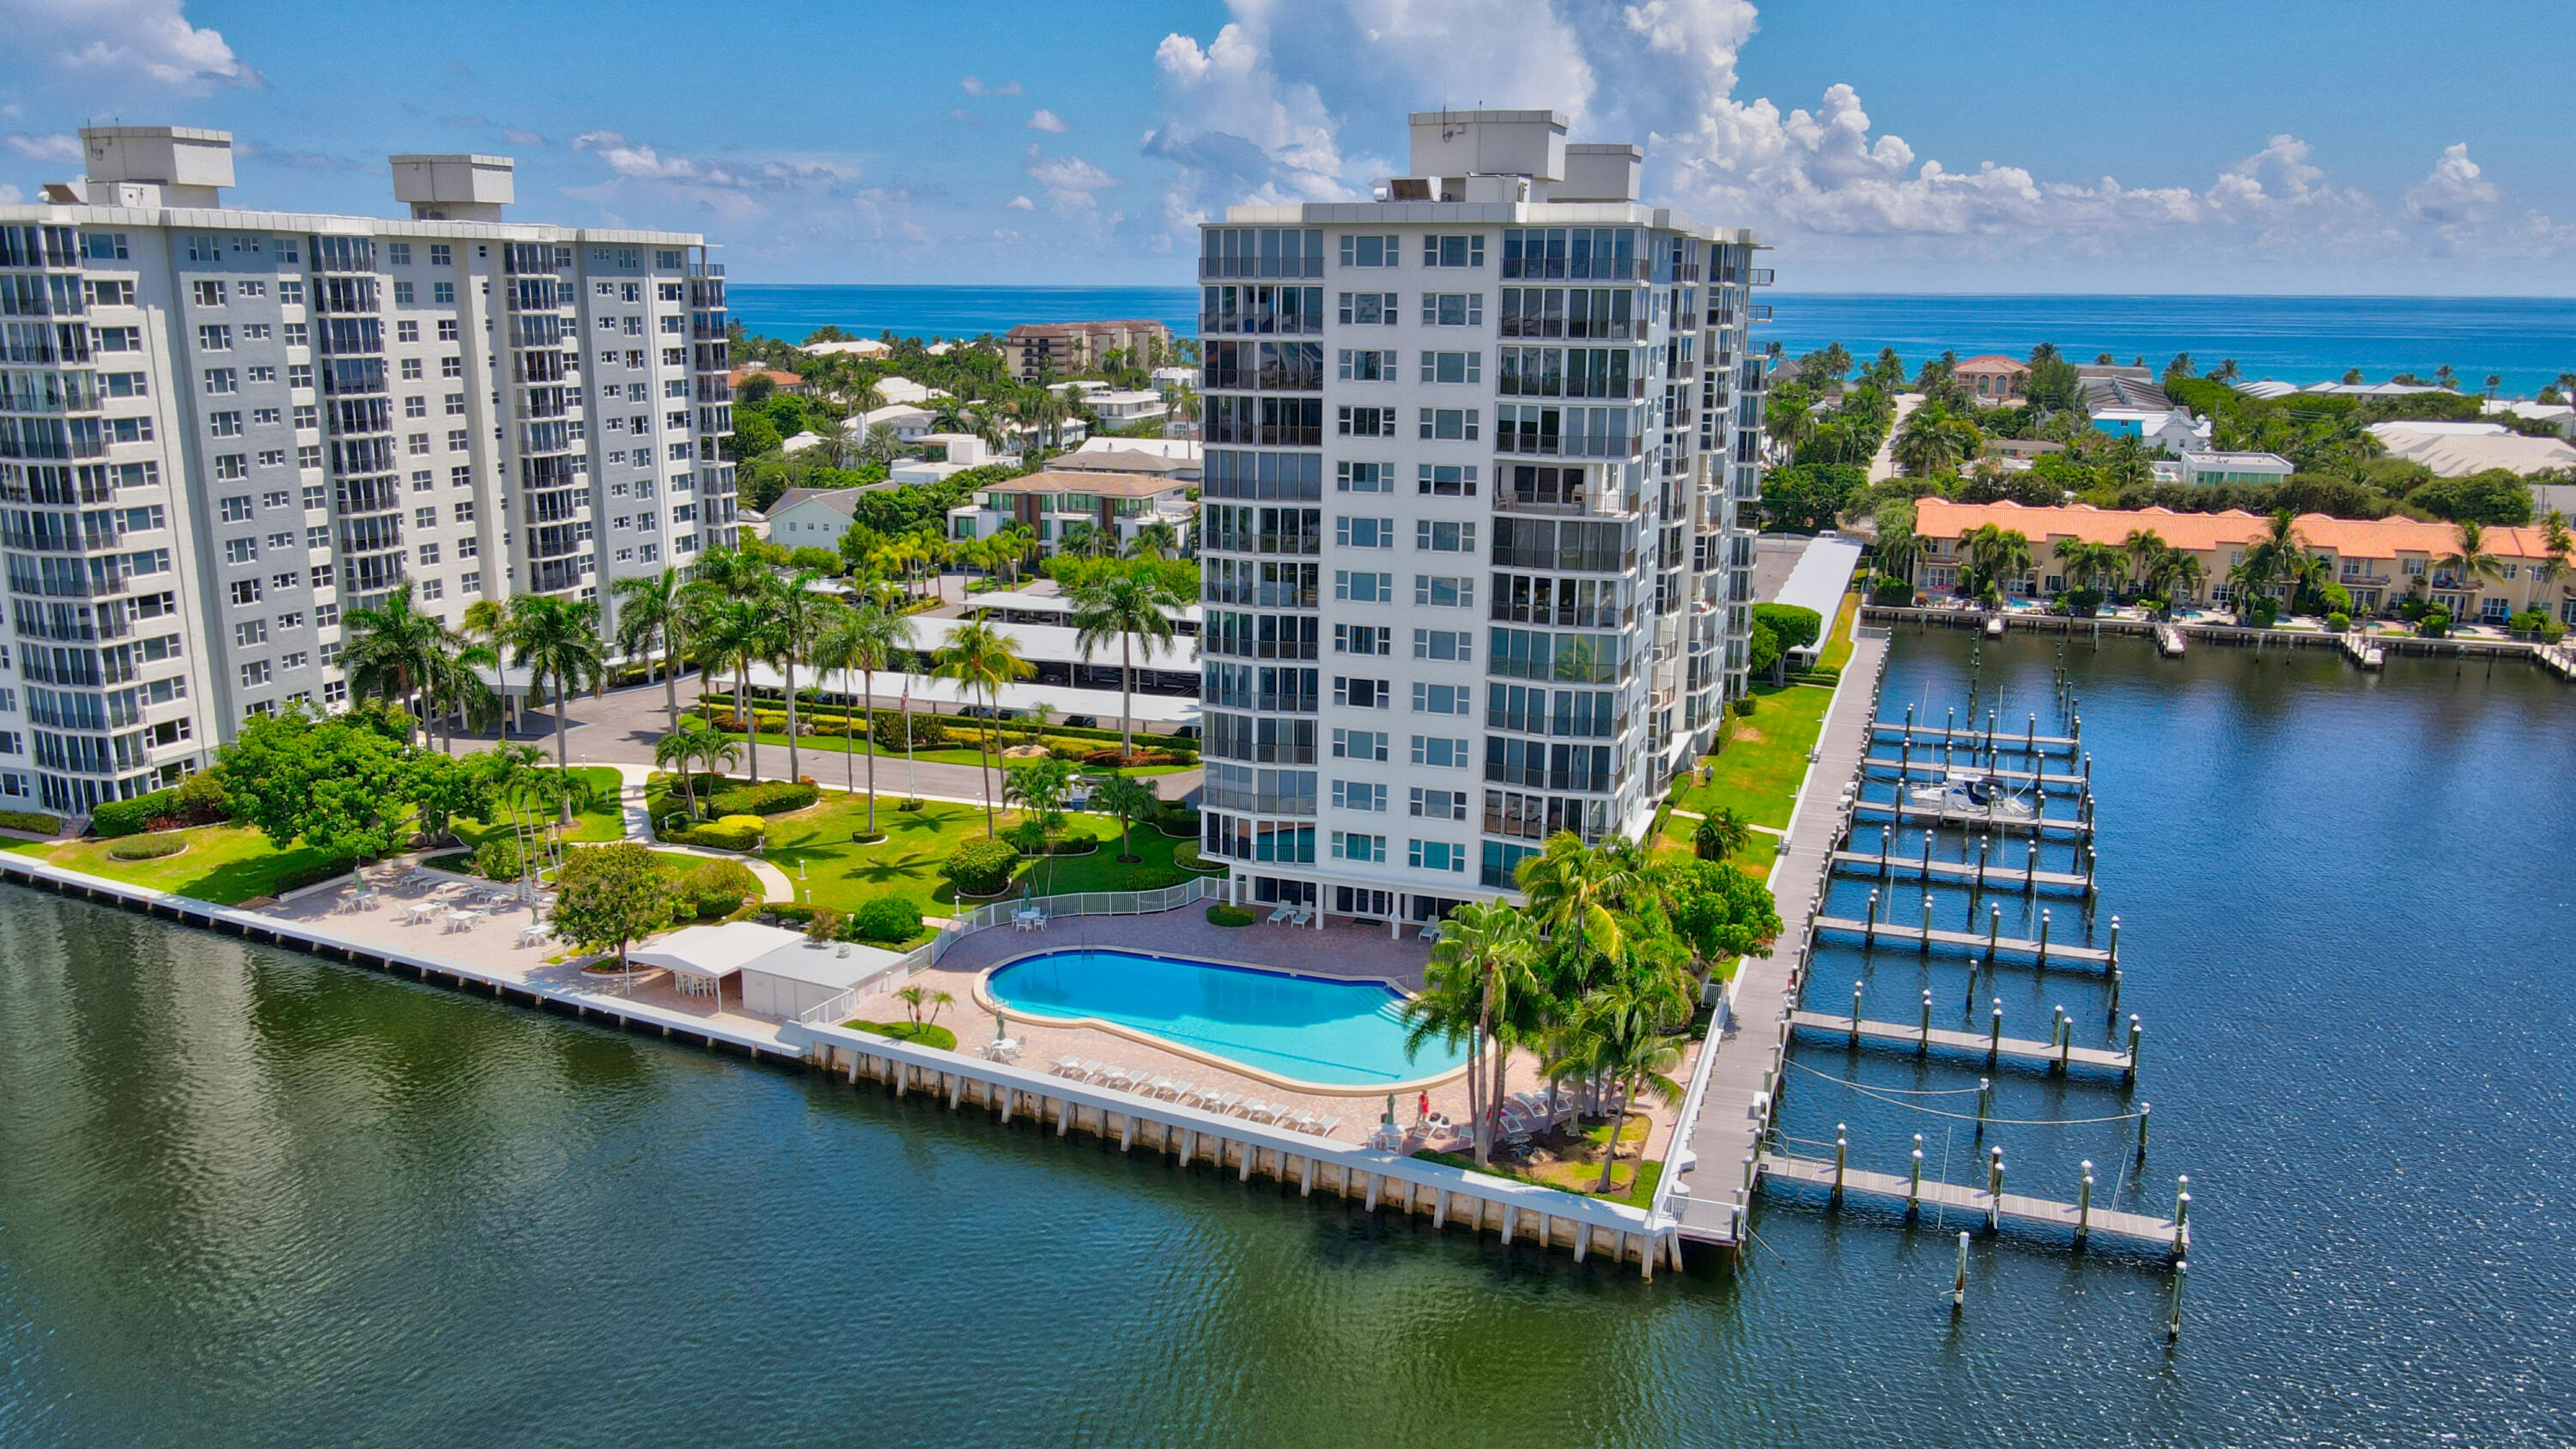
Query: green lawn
[(225, 864), (1766, 755), (893, 759), (601, 822), (845, 876), (1754, 859), (1838, 645)]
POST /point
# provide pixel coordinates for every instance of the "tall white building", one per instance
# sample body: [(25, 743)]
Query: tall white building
[(1472, 567), (222, 429)]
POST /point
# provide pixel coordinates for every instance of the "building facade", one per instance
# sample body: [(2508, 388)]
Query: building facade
[(1471, 564), (1053, 351), (222, 430)]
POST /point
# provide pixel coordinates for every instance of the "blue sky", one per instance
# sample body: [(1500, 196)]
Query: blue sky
[(2277, 146)]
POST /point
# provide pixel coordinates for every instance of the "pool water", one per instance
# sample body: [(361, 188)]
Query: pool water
[(1308, 1029)]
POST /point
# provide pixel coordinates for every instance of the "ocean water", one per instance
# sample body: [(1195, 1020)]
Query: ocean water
[(2526, 341), (250, 1197)]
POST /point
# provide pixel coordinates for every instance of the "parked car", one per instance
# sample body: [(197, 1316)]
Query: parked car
[(1186, 732), (1082, 721)]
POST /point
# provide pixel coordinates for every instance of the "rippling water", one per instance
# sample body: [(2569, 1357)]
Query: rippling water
[(248, 1197)]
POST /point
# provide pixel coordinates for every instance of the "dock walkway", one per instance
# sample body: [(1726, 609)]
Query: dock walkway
[(2046, 953), (1729, 1106), (2053, 827), (1997, 1210), (1998, 877), (1995, 1048)]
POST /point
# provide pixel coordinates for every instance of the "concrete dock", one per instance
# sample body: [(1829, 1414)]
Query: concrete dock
[(1992, 1047), (1975, 1204)]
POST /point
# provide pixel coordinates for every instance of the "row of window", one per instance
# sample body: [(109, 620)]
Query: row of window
[(1431, 424), (1385, 309), (1429, 535)]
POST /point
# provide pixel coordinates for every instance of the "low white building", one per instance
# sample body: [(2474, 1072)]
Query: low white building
[(776, 973), (2173, 429), (813, 517), (1170, 381), (1052, 500), (958, 452), (898, 389), (850, 347), (2204, 467), (911, 423), (800, 443), (1180, 449), (1119, 408), (2559, 416), (2456, 450)]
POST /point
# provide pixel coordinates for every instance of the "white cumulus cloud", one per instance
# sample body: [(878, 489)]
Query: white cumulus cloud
[(1048, 121), (47, 148), (975, 87), (1072, 183), (115, 39)]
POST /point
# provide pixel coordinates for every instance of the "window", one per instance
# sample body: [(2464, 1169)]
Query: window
[(105, 246), (1453, 367), (398, 253), (1368, 422), (1449, 424), (1369, 309), (1453, 251), (465, 511), (452, 367), (235, 509), (1354, 795), (415, 407), (309, 455), (406, 332), (315, 499), (424, 518), (326, 616), (1367, 365), (229, 466), (317, 536), (403, 296), (1361, 639), (440, 255), (245, 591), (254, 674), (1439, 804), (471, 583), (1435, 855), (411, 369), (300, 374), (1442, 698), (1453, 309), (443, 293), (291, 292), (1364, 477), (208, 294), (1363, 588), (222, 381), (266, 417), (433, 588), (1362, 693), (458, 439), (296, 335), (1445, 480), (249, 632), (1371, 251), (1436, 537), (1444, 644), (1364, 849), (1359, 745), (1364, 532), (272, 457), (1441, 591), (1440, 753), (429, 555), (418, 444), (447, 329)]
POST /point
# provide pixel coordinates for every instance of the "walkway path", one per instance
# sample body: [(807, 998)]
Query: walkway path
[(1882, 465), (1741, 1073)]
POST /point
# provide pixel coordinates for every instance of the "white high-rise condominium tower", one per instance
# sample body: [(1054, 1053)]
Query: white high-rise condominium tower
[(1473, 570), (221, 430)]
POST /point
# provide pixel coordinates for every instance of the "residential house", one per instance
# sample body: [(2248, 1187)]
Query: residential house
[(1047, 501), (783, 381), (2456, 450), (2378, 561), (1994, 378), (2173, 429), (814, 517), (851, 347)]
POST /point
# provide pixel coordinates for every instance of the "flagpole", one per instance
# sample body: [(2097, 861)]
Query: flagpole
[(911, 766)]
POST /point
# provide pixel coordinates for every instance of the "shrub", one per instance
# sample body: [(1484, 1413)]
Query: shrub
[(734, 832), (2338, 622), (1893, 593), (1187, 857), (981, 867), (891, 919), (927, 732), (498, 859), (2435, 623), (769, 797), (824, 924), (1229, 916), (1029, 837), (713, 889), (1746, 705), (147, 847), (30, 821)]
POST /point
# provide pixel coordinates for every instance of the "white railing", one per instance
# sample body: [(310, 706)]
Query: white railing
[(984, 917)]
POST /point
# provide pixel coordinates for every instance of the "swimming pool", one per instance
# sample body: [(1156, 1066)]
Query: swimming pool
[(1306, 1028)]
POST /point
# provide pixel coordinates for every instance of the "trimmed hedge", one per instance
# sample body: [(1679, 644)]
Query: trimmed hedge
[(714, 889), (769, 797), (981, 867), (199, 800), (147, 847), (734, 832), (498, 859), (31, 822), (1229, 916)]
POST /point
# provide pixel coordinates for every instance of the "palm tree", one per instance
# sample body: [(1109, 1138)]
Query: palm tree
[(798, 613), (654, 610), (1157, 539), (1125, 604), (687, 743), (393, 649), (558, 638), (1574, 891), (863, 639), (2085, 564), (2556, 543), (1899, 548), (1128, 799), (1627, 1032), (731, 633), (1720, 835), (982, 659), (2142, 547), (453, 689), (1995, 553), (1491, 950), (2469, 559)]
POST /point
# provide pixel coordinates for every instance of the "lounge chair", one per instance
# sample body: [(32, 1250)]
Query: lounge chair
[(1068, 1066), (1225, 1103), (1118, 1079), (1325, 1127), (1093, 1071), (1303, 1122), (1158, 1086), (1281, 914), (1301, 917)]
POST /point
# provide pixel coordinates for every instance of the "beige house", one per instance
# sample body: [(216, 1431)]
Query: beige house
[(1049, 501), (1993, 377)]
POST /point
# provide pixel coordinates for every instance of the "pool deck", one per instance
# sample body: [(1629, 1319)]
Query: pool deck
[(1343, 949)]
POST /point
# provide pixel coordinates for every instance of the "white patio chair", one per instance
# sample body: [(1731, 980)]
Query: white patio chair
[(1324, 1127), (1067, 1066), (1280, 914)]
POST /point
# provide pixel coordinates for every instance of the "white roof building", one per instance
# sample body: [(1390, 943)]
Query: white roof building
[(777, 973), (2455, 450), (905, 390), (853, 347), (2200, 466), (800, 442)]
